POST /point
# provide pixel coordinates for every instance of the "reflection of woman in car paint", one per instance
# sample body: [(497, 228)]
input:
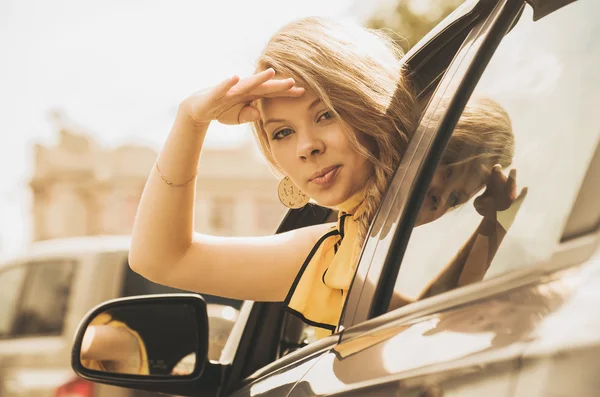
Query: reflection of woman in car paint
[(110, 345), (333, 110), (481, 145), (511, 317)]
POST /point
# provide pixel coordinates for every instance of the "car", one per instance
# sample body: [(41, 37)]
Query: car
[(48, 288), (529, 328)]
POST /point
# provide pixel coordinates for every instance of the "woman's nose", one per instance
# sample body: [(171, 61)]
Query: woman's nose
[(438, 199), (309, 146)]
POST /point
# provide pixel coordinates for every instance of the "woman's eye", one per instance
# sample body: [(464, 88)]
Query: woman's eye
[(282, 133), (325, 116), (452, 200), (448, 172)]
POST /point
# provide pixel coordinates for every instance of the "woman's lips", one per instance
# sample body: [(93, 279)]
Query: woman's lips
[(326, 179)]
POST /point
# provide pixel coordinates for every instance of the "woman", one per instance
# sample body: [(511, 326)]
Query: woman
[(333, 111)]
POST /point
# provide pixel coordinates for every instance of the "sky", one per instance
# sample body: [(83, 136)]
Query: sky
[(118, 69)]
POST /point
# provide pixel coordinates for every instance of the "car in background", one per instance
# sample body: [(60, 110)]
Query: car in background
[(44, 293)]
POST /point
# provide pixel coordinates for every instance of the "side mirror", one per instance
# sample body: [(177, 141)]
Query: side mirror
[(158, 343)]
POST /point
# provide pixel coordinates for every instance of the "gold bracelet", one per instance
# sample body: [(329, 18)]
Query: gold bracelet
[(168, 182)]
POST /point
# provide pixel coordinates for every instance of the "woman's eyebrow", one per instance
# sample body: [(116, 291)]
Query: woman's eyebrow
[(273, 121), (312, 105)]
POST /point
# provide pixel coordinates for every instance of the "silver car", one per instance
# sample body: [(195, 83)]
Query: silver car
[(45, 292)]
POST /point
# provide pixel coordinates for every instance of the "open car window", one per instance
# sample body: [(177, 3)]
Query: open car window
[(544, 81)]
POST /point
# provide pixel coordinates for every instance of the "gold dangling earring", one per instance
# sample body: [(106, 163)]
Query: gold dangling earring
[(290, 195)]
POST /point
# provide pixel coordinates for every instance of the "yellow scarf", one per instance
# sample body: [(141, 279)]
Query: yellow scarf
[(319, 291)]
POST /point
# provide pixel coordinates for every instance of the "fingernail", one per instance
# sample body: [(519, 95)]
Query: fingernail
[(498, 167), (513, 173)]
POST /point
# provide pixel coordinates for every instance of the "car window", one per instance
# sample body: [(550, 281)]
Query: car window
[(45, 298), (11, 282), (542, 84)]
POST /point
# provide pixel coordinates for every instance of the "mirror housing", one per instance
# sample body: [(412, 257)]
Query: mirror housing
[(204, 379)]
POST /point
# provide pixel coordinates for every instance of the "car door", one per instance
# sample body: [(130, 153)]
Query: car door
[(469, 341)]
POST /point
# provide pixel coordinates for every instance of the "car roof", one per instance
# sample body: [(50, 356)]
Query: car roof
[(71, 246)]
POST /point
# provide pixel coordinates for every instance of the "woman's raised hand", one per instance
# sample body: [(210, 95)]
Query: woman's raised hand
[(229, 101), (500, 193)]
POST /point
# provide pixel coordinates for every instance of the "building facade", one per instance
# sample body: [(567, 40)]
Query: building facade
[(81, 189)]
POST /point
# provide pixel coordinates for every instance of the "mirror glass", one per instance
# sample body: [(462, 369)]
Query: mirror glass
[(143, 339)]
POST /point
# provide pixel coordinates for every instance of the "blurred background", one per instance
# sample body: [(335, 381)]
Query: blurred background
[(89, 92)]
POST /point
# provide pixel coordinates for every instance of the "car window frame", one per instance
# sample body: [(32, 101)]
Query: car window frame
[(391, 229)]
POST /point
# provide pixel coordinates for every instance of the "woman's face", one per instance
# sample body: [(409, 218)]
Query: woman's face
[(308, 143), (451, 186)]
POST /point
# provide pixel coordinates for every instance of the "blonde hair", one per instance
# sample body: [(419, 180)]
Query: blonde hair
[(357, 74), (483, 133)]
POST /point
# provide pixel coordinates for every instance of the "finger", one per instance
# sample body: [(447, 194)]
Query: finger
[(523, 193), (221, 89), (249, 83), (227, 84), (273, 86), (248, 114), (485, 173), (292, 92), (498, 179), (511, 184)]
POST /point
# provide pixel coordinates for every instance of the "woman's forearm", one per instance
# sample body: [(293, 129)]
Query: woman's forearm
[(164, 227), (105, 342), (482, 253), (472, 260)]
